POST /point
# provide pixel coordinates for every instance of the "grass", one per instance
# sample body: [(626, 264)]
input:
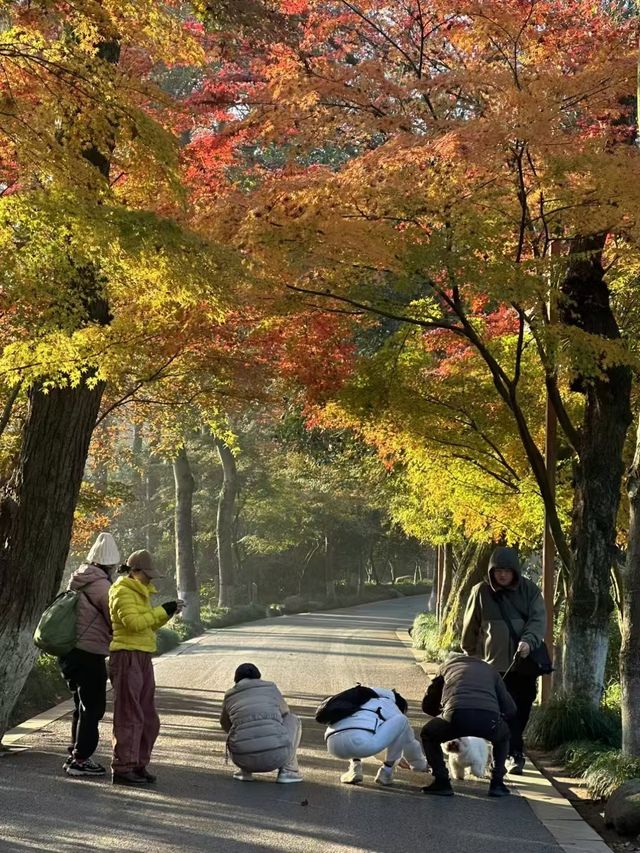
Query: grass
[(43, 689), (426, 636), (561, 721), (603, 769)]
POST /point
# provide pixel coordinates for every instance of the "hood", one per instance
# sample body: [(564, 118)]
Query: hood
[(87, 574), (504, 558)]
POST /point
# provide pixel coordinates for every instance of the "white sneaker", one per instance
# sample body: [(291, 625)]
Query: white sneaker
[(384, 776), (243, 776), (285, 777), (354, 774)]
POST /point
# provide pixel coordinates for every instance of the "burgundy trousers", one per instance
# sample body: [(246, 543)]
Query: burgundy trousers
[(135, 720)]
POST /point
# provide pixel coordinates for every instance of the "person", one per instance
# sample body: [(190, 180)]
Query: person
[(380, 724), (135, 720), (467, 698), (264, 734), (485, 634), (84, 668)]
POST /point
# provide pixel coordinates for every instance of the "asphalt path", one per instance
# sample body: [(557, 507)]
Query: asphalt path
[(197, 806)]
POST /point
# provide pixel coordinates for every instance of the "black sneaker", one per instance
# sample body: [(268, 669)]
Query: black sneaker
[(517, 764), (128, 778), (84, 768), (439, 788), (498, 789), (144, 774)]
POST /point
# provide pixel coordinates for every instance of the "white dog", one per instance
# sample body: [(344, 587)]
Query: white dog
[(467, 752)]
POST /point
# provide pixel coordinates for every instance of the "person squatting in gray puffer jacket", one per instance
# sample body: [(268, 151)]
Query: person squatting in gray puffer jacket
[(263, 733)]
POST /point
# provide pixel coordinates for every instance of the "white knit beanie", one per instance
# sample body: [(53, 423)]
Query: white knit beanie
[(104, 551)]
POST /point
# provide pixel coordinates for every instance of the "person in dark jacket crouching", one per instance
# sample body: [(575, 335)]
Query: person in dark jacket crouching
[(263, 733), (467, 698)]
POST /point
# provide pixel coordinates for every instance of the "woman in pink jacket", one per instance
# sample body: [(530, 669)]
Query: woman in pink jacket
[(84, 666)]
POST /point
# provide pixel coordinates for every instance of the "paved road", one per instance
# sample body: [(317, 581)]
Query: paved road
[(196, 806)]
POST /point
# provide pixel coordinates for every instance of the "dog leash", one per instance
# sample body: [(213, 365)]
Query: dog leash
[(515, 660)]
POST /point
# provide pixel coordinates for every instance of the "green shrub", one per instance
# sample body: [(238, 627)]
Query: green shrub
[(426, 636), (580, 754), (562, 720), (43, 689), (185, 630), (166, 639), (612, 699), (608, 771), (221, 617), (408, 587)]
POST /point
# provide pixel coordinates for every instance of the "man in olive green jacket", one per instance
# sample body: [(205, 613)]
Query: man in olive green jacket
[(485, 634)]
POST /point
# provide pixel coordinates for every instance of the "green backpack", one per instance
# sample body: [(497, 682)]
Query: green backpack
[(56, 632)]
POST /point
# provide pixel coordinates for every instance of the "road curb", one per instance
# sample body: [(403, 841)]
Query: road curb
[(571, 832)]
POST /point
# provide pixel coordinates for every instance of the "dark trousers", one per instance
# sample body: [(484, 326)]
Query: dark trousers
[(523, 690), (86, 676), (465, 723)]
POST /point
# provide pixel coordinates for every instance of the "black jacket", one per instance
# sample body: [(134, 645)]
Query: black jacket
[(467, 683)]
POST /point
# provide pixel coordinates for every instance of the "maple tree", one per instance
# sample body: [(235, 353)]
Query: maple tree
[(478, 135), (99, 271)]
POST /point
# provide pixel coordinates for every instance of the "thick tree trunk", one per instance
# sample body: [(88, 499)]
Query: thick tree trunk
[(598, 479), (630, 627), (36, 518), (224, 525), (185, 563), (38, 502)]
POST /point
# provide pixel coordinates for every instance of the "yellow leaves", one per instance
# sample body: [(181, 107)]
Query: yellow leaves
[(57, 254)]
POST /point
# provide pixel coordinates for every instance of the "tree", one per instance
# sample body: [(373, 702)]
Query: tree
[(481, 134), (185, 563), (87, 166)]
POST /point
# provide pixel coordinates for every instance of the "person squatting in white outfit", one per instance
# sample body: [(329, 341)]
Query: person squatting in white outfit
[(379, 724)]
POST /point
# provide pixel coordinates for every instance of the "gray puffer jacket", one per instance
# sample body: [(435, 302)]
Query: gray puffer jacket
[(252, 713)]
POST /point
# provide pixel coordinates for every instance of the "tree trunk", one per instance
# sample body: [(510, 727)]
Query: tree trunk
[(329, 580), (36, 518), (185, 563), (446, 581), (598, 478), (437, 582), (630, 627), (224, 525), (473, 566), (432, 604)]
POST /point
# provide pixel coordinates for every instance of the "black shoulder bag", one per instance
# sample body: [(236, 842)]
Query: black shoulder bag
[(538, 661)]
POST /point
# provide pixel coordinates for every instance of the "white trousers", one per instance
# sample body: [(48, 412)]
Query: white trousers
[(294, 729), (395, 735)]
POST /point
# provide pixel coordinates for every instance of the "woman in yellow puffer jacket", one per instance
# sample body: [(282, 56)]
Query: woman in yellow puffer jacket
[(135, 720)]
